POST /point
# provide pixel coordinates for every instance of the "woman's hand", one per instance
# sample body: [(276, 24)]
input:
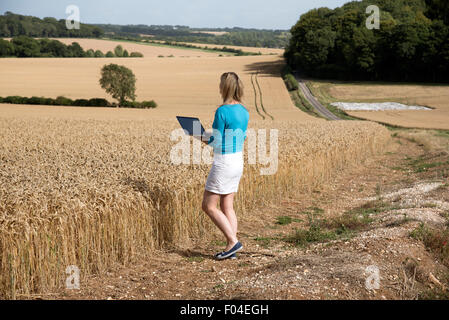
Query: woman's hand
[(206, 137)]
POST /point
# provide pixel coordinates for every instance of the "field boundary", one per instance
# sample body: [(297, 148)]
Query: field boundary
[(394, 126), (303, 105), (152, 44)]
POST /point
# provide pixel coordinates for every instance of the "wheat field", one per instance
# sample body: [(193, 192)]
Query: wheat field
[(92, 192), (273, 51), (95, 186)]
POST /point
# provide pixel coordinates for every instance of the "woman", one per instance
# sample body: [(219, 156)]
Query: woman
[(230, 125)]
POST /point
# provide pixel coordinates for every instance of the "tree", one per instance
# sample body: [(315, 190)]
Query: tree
[(54, 47), (110, 54), (437, 56), (26, 47), (316, 47), (4, 31), (76, 50), (99, 54), (438, 9), (90, 53), (125, 54), (118, 51), (97, 32), (136, 55), (6, 48), (119, 82), (15, 25), (291, 82), (404, 43), (411, 45)]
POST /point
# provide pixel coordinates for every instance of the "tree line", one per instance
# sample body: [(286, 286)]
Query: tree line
[(235, 36), (260, 39), (26, 47), (412, 43), (237, 52), (12, 25), (63, 101)]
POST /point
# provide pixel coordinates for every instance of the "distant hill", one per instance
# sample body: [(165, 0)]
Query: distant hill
[(412, 43), (229, 36), (12, 25)]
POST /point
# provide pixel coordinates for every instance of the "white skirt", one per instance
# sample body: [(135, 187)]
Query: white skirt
[(224, 177)]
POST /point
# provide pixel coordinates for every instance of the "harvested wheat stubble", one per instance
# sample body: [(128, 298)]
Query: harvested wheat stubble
[(93, 192), (147, 50), (180, 86), (273, 51), (435, 96)]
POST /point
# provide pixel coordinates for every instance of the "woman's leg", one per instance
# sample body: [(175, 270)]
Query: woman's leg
[(227, 207), (210, 202)]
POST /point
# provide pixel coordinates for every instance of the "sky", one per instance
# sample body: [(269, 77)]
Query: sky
[(259, 14)]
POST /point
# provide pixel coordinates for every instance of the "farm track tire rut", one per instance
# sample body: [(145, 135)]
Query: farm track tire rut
[(261, 97), (255, 98)]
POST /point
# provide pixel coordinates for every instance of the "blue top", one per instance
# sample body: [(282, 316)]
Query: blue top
[(229, 129)]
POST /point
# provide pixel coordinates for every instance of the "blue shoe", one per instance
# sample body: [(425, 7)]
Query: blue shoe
[(224, 255), (233, 257)]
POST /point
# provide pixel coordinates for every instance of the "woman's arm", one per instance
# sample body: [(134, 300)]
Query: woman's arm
[(218, 128)]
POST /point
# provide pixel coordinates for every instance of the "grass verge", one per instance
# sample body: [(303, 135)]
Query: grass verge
[(321, 229), (437, 242)]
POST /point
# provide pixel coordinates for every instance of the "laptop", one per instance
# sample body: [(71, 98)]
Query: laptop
[(191, 126)]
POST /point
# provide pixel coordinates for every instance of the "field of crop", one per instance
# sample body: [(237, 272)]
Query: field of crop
[(273, 51), (215, 33), (147, 50), (95, 186), (91, 192), (178, 85), (435, 96)]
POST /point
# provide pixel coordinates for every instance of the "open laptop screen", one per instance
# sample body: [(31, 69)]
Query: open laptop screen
[(192, 126)]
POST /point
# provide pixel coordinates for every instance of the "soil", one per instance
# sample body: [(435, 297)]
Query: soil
[(271, 268)]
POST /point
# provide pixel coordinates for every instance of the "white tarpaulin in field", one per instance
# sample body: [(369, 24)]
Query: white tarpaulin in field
[(376, 106)]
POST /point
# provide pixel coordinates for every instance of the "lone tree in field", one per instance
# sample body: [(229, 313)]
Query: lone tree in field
[(119, 82)]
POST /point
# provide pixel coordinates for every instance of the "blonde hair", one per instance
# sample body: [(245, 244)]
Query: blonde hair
[(231, 87)]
